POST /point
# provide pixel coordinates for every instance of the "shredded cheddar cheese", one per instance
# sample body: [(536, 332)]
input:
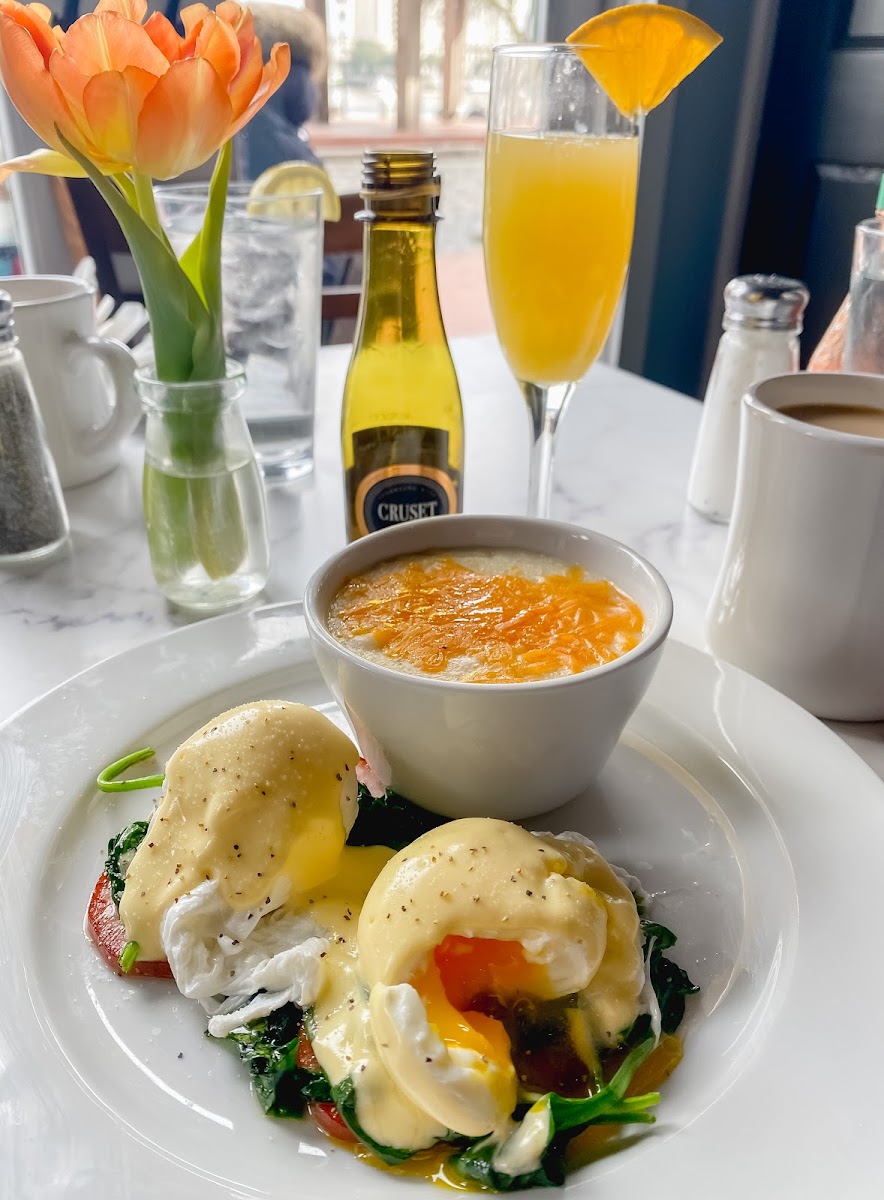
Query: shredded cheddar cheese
[(435, 613)]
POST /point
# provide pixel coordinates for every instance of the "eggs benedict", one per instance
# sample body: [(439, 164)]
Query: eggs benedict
[(463, 993)]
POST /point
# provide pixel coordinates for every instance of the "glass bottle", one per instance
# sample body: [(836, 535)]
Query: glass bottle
[(33, 518), (830, 352), (204, 501), (402, 420)]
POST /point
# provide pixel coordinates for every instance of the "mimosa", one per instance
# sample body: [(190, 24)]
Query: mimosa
[(559, 215)]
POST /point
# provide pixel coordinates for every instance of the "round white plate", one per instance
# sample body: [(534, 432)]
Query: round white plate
[(758, 831)]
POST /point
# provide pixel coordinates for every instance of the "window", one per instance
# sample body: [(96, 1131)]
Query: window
[(417, 74)]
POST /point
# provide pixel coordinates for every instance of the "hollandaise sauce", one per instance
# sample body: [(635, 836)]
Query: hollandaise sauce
[(484, 616), (339, 1023), (433, 1166), (254, 798)]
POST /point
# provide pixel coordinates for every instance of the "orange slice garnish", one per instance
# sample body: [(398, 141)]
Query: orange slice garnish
[(638, 53)]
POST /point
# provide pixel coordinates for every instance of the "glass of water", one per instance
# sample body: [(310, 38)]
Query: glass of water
[(271, 267), (864, 344)]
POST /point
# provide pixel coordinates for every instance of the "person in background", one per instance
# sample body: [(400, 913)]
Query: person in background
[(276, 134)]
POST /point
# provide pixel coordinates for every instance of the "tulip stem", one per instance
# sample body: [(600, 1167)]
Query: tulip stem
[(124, 183), (146, 204)]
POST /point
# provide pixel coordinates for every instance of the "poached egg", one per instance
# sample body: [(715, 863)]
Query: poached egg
[(472, 923), (256, 806)]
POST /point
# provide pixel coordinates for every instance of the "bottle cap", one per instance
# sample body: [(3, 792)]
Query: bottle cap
[(765, 302)]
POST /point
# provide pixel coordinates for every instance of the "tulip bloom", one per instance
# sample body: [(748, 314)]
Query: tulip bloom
[(134, 98)]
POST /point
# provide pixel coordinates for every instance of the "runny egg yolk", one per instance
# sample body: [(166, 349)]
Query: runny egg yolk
[(472, 967), (460, 971)]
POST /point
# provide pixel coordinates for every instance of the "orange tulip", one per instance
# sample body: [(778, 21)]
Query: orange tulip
[(134, 97)]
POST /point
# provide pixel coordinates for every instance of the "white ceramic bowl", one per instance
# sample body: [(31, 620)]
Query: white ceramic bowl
[(506, 750)]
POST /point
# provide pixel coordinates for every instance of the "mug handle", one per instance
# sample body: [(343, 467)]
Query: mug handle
[(125, 411)]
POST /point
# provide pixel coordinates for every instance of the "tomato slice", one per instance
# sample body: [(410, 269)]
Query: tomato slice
[(325, 1117), (306, 1058), (324, 1114), (109, 935)]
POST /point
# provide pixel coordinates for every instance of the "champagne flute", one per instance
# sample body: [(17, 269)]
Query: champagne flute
[(561, 169)]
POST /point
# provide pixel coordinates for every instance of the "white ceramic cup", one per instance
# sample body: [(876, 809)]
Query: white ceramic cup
[(799, 600), (84, 383)]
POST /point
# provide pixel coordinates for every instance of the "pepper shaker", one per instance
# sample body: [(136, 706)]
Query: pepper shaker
[(33, 518), (762, 325)]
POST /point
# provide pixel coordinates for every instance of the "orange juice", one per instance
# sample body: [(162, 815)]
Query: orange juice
[(559, 215)]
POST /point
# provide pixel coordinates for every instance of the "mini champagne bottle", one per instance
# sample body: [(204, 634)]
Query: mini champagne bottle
[(402, 420)]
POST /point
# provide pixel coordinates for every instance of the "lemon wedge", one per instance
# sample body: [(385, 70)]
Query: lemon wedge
[(288, 179), (639, 52)]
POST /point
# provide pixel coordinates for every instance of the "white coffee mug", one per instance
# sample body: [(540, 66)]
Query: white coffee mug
[(84, 383), (799, 600)]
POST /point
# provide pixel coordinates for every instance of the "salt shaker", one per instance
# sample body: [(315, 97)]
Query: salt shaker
[(762, 324), (33, 518)]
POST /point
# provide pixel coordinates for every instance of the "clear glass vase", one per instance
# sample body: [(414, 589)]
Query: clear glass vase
[(204, 501)]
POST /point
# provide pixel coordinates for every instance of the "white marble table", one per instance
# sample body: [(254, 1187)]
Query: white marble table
[(624, 451)]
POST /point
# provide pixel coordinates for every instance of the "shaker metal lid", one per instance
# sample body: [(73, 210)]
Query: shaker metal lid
[(765, 302)]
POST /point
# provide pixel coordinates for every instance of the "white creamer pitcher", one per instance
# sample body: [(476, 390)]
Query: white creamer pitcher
[(799, 600)]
